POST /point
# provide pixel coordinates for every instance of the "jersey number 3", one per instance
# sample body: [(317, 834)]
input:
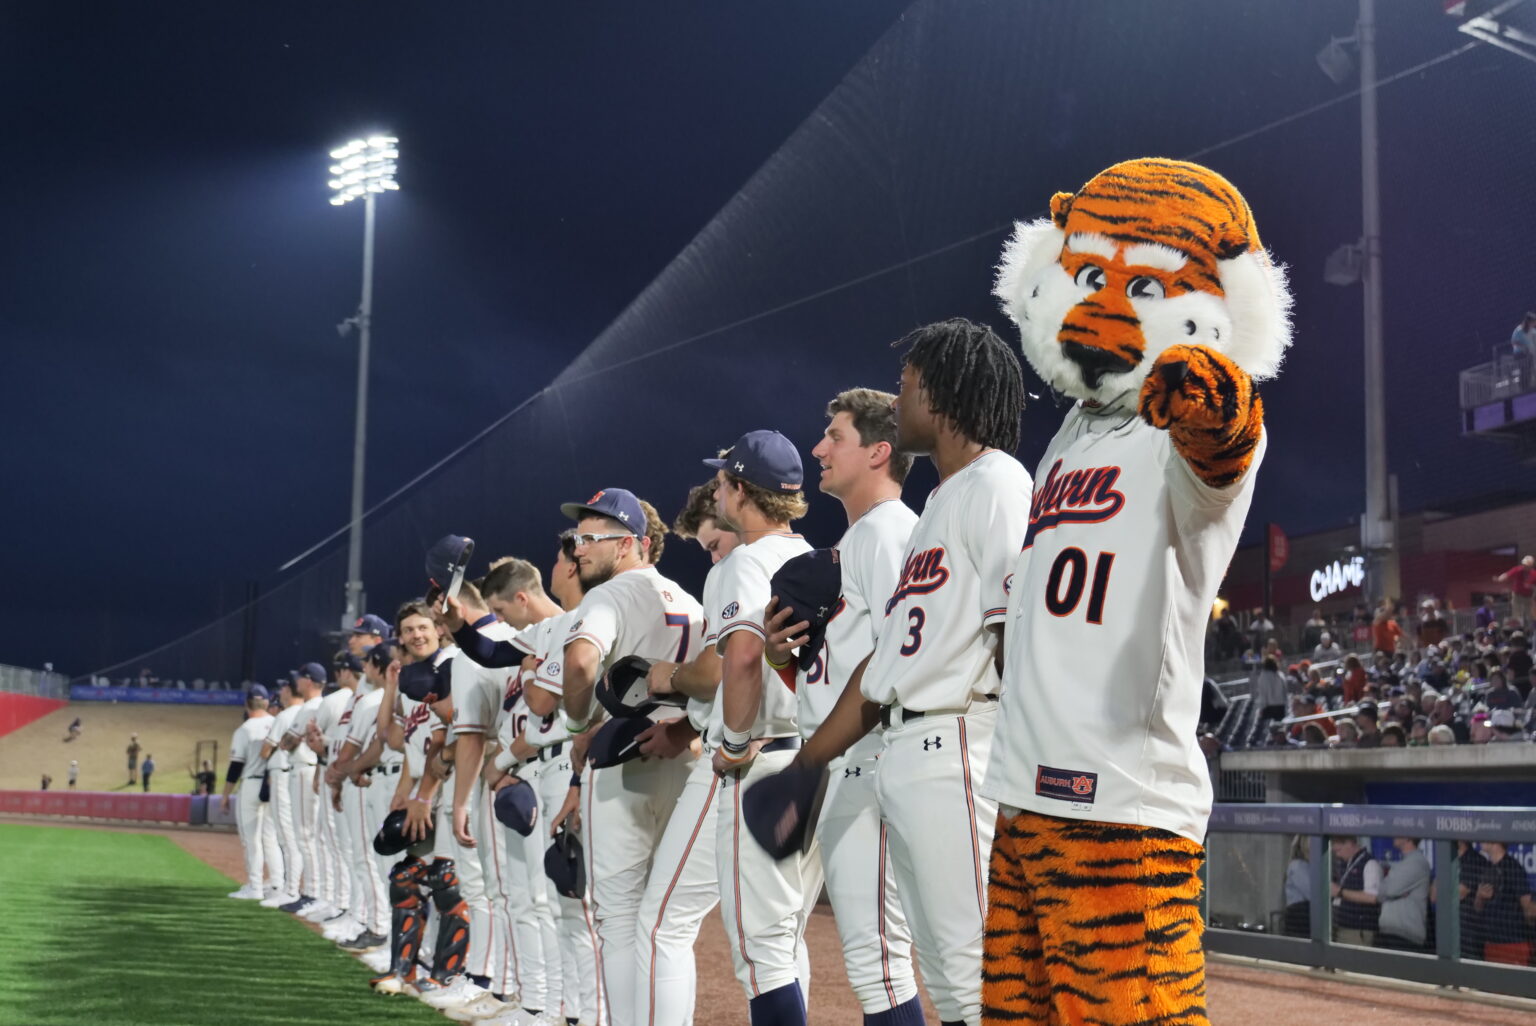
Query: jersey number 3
[(1068, 578)]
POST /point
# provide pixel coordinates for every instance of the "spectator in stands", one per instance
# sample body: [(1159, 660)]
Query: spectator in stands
[(1385, 633), (1504, 908), (1298, 890), (1519, 663), (1313, 736), (1522, 343), (74, 730), (1348, 734), (1268, 689), (74, 773), (1259, 630), (1499, 694), (1229, 637), (149, 767), (1504, 727), (1326, 650), (1353, 683), (1404, 899), (1479, 728), (1484, 617), (1522, 582), (1472, 873), (1313, 630), (1356, 881), (1306, 705), (1418, 733), (1432, 627), (1440, 734), (1393, 736), (1443, 713), (133, 760), (1367, 723)]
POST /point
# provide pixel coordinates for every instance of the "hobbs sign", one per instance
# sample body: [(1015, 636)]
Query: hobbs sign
[(1331, 580)]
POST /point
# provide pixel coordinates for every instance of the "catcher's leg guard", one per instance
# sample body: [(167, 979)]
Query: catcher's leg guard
[(442, 880), (409, 915)]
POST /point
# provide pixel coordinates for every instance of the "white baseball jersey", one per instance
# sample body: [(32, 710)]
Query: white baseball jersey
[(934, 650), (639, 612), (549, 637), (246, 744), (303, 755), (419, 721), (334, 708), (736, 592), (478, 691), (1106, 632), (365, 724), (279, 727), (870, 555)]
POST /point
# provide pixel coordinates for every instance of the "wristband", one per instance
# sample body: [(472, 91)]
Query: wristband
[(736, 740), (575, 779), (573, 728), (773, 665), (732, 757)]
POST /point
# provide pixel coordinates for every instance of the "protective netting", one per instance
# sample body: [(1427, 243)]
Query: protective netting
[(886, 209)]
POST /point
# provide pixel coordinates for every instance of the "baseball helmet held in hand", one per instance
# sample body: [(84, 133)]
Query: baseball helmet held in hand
[(625, 690)]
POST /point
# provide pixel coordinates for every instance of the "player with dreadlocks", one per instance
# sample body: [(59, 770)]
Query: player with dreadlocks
[(932, 679)]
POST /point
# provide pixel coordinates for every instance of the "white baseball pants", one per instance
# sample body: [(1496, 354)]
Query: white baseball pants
[(258, 837), (579, 983)]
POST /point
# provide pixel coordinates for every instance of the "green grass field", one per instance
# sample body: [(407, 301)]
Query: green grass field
[(117, 929)]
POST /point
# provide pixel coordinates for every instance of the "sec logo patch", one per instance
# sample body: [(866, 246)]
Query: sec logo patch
[(551, 669), (730, 611), (575, 627)]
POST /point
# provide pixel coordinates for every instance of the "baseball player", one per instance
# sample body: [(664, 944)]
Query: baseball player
[(324, 737), (368, 899), (308, 681), (371, 769), (752, 732), (629, 609), (292, 896), (514, 960), (862, 468), (368, 630), (248, 769), (571, 957), (698, 521), (932, 680)]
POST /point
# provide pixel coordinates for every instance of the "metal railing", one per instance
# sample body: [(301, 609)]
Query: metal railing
[(43, 683), (1248, 851), (1507, 374)]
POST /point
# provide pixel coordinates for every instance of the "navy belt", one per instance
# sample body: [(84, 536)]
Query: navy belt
[(893, 713), (552, 752), (388, 770)]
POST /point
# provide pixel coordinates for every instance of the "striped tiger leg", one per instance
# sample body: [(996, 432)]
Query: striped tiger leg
[(1014, 988), (1119, 920)]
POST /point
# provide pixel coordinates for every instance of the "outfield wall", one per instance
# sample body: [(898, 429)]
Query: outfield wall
[(190, 810)]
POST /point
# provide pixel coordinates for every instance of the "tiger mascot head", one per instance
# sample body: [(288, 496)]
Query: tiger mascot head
[(1149, 254)]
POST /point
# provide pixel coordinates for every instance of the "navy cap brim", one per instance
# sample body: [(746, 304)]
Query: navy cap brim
[(715, 464), (577, 510)]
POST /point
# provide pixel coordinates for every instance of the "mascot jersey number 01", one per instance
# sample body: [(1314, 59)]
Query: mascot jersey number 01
[(1147, 297)]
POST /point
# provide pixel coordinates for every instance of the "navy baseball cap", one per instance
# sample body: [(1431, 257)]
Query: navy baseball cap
[(517, 807), (625, 690), (765, 458), (419, 680), (566, 866), (258, 691), (781, 809), (347, 661), (618, 503), (447, 560), (370, 624), (314, 671), (381, 655), (617, 742), (810, 584)]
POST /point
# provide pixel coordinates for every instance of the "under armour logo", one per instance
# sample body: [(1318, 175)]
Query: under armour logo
[(930, 743), (624, 517), (740, 466), (853, 771)]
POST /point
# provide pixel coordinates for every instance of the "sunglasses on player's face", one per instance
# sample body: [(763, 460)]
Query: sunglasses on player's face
[(583, 540)]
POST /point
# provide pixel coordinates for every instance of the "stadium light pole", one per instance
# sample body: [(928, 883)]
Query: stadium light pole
[(364, 168)]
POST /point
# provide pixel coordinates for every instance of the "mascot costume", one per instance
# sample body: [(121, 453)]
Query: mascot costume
[(1148, 299)]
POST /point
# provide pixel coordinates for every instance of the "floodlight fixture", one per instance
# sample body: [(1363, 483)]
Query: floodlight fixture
[(1335, 61), (364, 166)]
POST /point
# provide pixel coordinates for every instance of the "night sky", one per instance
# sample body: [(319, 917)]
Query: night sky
[(178, 405)]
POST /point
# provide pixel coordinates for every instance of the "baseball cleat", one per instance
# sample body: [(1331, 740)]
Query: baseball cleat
[(393, 983), (297, 905), (317, 912), (377, 959), (486, 1006), (342, 929), (365, 941), (278, 899), (246, 893), (456, 992)]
